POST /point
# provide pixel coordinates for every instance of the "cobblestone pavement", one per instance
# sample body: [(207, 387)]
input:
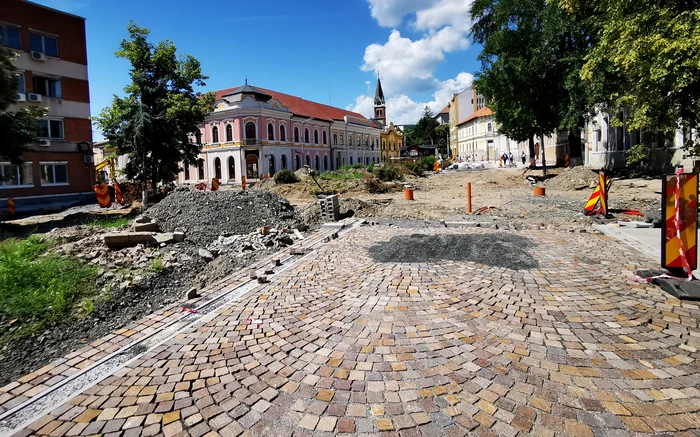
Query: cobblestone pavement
[(347, 345)]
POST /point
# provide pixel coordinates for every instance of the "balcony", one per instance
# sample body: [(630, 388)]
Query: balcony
[(252, 141)]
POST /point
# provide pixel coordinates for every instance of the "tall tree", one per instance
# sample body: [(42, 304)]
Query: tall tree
[(17, 128), (652, 48), (425, 128), (155, 124)]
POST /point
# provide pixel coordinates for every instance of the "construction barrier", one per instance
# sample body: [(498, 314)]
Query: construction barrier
[(566, 161), (102, 193), (11, 206), (599, 196), (118, 194), (214, 184), (680, 227), (243, 184)]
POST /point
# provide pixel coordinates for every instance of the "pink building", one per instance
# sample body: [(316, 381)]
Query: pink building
[(254, 131)]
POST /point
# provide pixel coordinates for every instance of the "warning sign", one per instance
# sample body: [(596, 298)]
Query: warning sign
[(680, 227)]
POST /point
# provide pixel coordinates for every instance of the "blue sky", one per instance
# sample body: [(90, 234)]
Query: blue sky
[(419, 47)]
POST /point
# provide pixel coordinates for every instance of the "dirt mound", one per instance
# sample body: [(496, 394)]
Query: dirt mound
[(204, 215), (575, 178)]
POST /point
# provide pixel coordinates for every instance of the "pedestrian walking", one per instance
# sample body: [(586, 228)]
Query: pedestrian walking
[(510, 158), (522, 157)]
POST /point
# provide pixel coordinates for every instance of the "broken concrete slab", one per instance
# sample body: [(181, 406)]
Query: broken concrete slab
[(146, 227), (143, 219), (164, 238), (179, 236), (204, 253), (128, 239)]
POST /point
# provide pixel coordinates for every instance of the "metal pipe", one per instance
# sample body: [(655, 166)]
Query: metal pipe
[(469, 197)]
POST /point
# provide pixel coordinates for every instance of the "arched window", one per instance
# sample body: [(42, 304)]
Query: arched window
[(297, 159), (325, 137), (201, 170), (270, 132), (296, 134), (231, 168), (306, 135), (187, 172), (351, 160), (229, 133), (315, 136), (198, 135), (325, 163), (283, 134), (284, 162), (350, 140), (272, 165), (317, 163), (217, 168), (308, 160), (250, 130), (214, 135)]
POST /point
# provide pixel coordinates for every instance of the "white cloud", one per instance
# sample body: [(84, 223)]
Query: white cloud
[(401, 109), (406, 65), (390, 13)]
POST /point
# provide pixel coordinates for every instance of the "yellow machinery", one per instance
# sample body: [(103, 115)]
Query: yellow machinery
[(109, 162)]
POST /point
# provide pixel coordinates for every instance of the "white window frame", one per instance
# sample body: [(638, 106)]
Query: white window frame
[(22, 89), (54, 184), (49, 120), (44, 35), (46, 80), (2, 176), (5, 26)]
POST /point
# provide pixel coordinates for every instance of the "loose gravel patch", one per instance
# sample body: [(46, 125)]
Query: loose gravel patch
[(497, 250)]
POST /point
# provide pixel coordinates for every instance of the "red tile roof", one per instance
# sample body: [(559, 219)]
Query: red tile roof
[(445, 110), (483, 112), (302, 107)]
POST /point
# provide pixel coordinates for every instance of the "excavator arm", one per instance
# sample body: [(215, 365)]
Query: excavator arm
[(109, 162)]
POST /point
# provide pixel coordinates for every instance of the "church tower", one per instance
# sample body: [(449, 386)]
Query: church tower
[(379, 104)]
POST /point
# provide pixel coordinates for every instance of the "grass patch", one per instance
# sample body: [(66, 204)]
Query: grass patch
[(108, 221), (36, 287), (157, 265), (339, 175)]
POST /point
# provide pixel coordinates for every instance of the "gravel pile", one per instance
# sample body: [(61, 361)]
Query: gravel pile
[(575, 178), (205, 215), (497, 250)]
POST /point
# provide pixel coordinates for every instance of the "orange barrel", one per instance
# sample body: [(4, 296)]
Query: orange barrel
[(408, 193), (243, 182), (538, 191)]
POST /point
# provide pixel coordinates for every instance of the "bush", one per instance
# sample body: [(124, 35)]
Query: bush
[(424, 164), (285, 176), (370, 167), (388, 173)]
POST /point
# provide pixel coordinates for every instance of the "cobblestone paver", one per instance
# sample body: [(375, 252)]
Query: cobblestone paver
[(347, 345)]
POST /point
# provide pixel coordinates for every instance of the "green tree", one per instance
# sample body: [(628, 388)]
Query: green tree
[(651, 49), (17, 128), (442, 134), (424, 132), (156, 122)]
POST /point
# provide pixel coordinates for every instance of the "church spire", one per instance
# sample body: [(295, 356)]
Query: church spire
[(379, 94)]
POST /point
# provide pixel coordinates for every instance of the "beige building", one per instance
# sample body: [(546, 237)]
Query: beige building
[(461, 106), (479, 140), (391, 139)]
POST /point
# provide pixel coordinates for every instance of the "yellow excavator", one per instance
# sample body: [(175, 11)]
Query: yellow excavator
[(109, 162)]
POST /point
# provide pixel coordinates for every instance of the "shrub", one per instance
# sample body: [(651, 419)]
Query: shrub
[(375, 186), (370, 167), (424, 164), (285, 176), (387, 173)]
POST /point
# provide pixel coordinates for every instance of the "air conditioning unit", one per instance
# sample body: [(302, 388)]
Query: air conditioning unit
[(38, 56), (34, 97), (21, 97), (45, 143), (88, 159)]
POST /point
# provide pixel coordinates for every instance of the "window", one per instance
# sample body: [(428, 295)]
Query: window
[(270, 132), (200, 170), (488, 127), (198, 135), (217, 168), (308, 160), (50, 129), (325, 138), (335, 139), (250, 130), (229, 133), (306, 135), (16, 175), (215, 134), (296, 134), (187, 172), (54, 173), (315, 136), (47, 87), (283, 134), (231, 168), (9, 36), (342, 140), (284, 161), (44, 44), (21, 87)]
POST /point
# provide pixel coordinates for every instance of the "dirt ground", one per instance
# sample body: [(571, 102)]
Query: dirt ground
[(507, 192)]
